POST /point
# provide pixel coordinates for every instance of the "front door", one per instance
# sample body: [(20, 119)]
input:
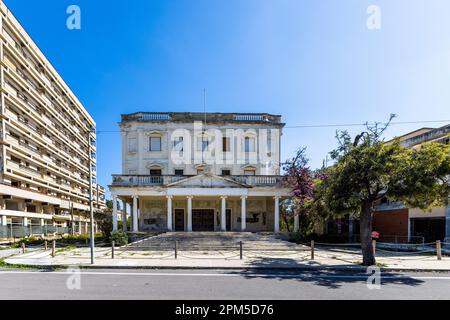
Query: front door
[(228, 218), (179, 219), (203, 220)]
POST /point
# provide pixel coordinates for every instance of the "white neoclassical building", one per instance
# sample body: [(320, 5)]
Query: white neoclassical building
[(200, 172)]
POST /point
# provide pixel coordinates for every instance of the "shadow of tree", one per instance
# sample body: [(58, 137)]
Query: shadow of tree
[(332, 278)]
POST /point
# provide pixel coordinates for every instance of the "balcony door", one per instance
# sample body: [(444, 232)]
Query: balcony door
[(156, 172)]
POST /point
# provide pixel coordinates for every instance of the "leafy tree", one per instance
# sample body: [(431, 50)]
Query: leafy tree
[(300, 178), (109, 204), (367, 169)]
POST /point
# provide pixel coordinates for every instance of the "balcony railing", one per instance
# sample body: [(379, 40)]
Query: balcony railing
[(147, 180)]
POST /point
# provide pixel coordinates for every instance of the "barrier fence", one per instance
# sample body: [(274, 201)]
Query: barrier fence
[(239, 250), (16, 231)]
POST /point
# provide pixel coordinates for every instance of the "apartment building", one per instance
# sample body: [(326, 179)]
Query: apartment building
[(413, 224), (47, 142), (185, 171)]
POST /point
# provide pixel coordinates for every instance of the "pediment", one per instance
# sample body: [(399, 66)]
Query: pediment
[(208, 181)]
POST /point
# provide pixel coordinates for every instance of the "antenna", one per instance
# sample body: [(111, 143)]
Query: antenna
[(204, 124), (204, 103)]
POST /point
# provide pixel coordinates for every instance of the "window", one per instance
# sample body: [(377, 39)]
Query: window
[(155, 144), (179, 172), (249, 144), (178, 144), (155, 172), (226, 144), (132, 145), (226, 172)]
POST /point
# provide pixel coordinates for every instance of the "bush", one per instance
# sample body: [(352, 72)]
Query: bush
[(119, 238), (80, 238), (28, 241)]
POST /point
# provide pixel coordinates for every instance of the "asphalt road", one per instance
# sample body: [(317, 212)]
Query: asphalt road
[(220, 285)]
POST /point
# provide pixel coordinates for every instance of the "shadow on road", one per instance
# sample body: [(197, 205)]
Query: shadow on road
[(332, 278)]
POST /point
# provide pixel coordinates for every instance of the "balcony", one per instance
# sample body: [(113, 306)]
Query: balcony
[(151, 181)]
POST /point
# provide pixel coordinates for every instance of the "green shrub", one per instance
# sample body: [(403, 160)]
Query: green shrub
[(28, 241), (119, 238)]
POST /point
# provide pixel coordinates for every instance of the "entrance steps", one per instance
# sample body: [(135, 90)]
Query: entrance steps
[(214, 240)]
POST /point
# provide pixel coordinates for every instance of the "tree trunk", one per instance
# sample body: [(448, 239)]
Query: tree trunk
[(286, 221), (366, 234)]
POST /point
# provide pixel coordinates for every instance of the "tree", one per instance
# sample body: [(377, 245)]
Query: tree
[(300, 178), (110, 203), (367, 169)]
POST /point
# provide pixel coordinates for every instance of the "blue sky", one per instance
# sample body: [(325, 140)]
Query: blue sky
[(314, 62)]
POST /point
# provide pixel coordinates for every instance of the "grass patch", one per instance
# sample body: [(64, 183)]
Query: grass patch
[(5, 265), (68, 248)]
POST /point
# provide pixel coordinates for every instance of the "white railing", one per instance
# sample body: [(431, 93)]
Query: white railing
[(248, 117), (147, 180)]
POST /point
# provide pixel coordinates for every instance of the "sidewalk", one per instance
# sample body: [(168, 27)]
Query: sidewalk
[(324, 259)]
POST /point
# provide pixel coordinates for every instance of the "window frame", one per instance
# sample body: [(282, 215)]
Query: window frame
[(150, 149)]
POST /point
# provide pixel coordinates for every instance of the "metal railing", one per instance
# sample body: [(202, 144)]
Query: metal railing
[(395, 239), (147, 180), (17, 231)]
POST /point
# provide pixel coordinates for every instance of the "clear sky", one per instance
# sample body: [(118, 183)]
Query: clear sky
[(314, 62)]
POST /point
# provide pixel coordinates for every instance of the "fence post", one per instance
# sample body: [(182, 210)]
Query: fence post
[(176, 249), (312, 249), (23, 247), (374, 247), (45, 245), (438, 250), (240, 250), (53, 248), (112, 249)]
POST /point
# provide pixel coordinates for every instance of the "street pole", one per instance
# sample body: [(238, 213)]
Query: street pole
[(91, 200)]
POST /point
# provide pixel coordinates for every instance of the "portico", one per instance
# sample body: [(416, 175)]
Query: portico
[(203, 203)]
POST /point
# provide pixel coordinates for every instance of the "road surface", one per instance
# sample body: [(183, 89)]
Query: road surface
[(220, 285)]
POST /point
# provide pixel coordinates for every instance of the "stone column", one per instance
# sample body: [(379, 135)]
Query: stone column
[(25, 222), (114, 213), (169, 213), (223, 214), (124, 216), (189, 214), (243, 213), (296, 223), (277, 215), (3, 221), (79, 226), (135, 214)]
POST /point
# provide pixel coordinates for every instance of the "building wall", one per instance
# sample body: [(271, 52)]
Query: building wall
[(44, 153), (391, 223), (137, 159)]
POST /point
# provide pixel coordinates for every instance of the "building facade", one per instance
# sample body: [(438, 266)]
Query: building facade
[(200, 172), (47, 142), (412, 224)]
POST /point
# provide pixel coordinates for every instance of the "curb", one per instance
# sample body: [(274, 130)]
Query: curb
[(355, 268)]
